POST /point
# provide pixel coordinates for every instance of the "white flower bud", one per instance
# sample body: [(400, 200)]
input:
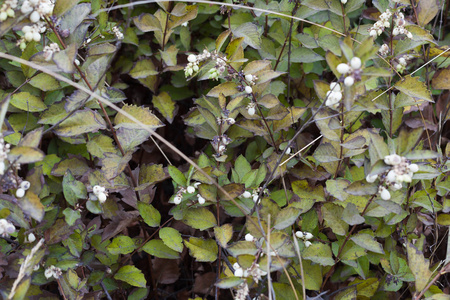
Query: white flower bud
[(248, 89), (308, 236), (396, 186), (387, 24), (355, 63), (195, 68), (299, 234), (20, 193), (249, 77), (413, 168), (25, 185), (396, 31), (379, 31), (249, 237), (246, 194), (3, 16), (409, 35), (385, 195), (190, 189), (344, 1), (343, 68), (177, 200), (402, 61), (407, 178), (35, 17), (48, 273), (251, 111), (392, 159), (307, 244), (371, 178), (373, 33), (349, 81)]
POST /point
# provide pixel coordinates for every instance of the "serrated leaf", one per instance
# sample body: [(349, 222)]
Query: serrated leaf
[(159, 249), (121, 244), (151, 174), (202, 250), (150, 214), (171, 238), (413, 87), (223, 234), (250, 33), (80, 122), (165, 105), (199, 218), (177, 175), (147, 22), (131, 275), (319, 253), (368, 242), (142, 114), (332, 216), (99, 145), (71, 216)]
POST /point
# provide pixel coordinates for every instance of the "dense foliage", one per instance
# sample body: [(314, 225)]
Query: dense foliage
[(204, 150)]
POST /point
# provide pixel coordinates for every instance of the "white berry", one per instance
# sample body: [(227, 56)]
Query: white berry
[(248, 89), (356, 62), (349, 81), (343, 68), (20, 193)]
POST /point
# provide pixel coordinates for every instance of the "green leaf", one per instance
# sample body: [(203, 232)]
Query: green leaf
[(202, 250), (131, 275), (319, 253), (147, 22), (199, 218), (80, 122), (165, 105), (151, 174), (64, 59), (413, 87), (332, 216), (143, 68), (229, 282), (121, 244), (172, 238), (305, 55), (223, 234), (242, 166), (32, 206), (177, 175), (71, 216), (45, 82), (351, 215), (27, 102), (286, 217), (249, 32), (73, 189), (368, 242), (150, 214), (419, 266), (159, 249), (99, 145)]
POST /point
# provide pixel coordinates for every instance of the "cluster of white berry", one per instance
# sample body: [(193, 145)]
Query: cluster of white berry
[(242, 291), (31, 33), (38, 9), (4, 149), (384, 50), (255, 194), (352, 70), (403, 62), (401, 171), (6, 228), (99, 193), (379, 26), (24, 185), (305, 236), (254, 271), (50, 50), (7, 9), (53, 271), (400, 26), (190, 190), (194, 60), (118, 33), (220, 143), (334, 95)]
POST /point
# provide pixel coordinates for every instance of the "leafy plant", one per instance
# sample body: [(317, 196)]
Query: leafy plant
[(268, 149)]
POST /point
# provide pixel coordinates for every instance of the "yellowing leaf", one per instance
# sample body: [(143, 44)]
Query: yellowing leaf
[(200, 218), (223, 234), (147, 22), (368, 242), (171, 238), (32, 206), (143, 114), (25, 155), (165, 105), (202, 250), (441, 79), (131, 275), (80, 122), (419, 266), (413, 87), (143, 68), (319, 253), (150, 214), (27, 102), (159, 249)]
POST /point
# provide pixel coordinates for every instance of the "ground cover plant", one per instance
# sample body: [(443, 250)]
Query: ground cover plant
[(224, 150)]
